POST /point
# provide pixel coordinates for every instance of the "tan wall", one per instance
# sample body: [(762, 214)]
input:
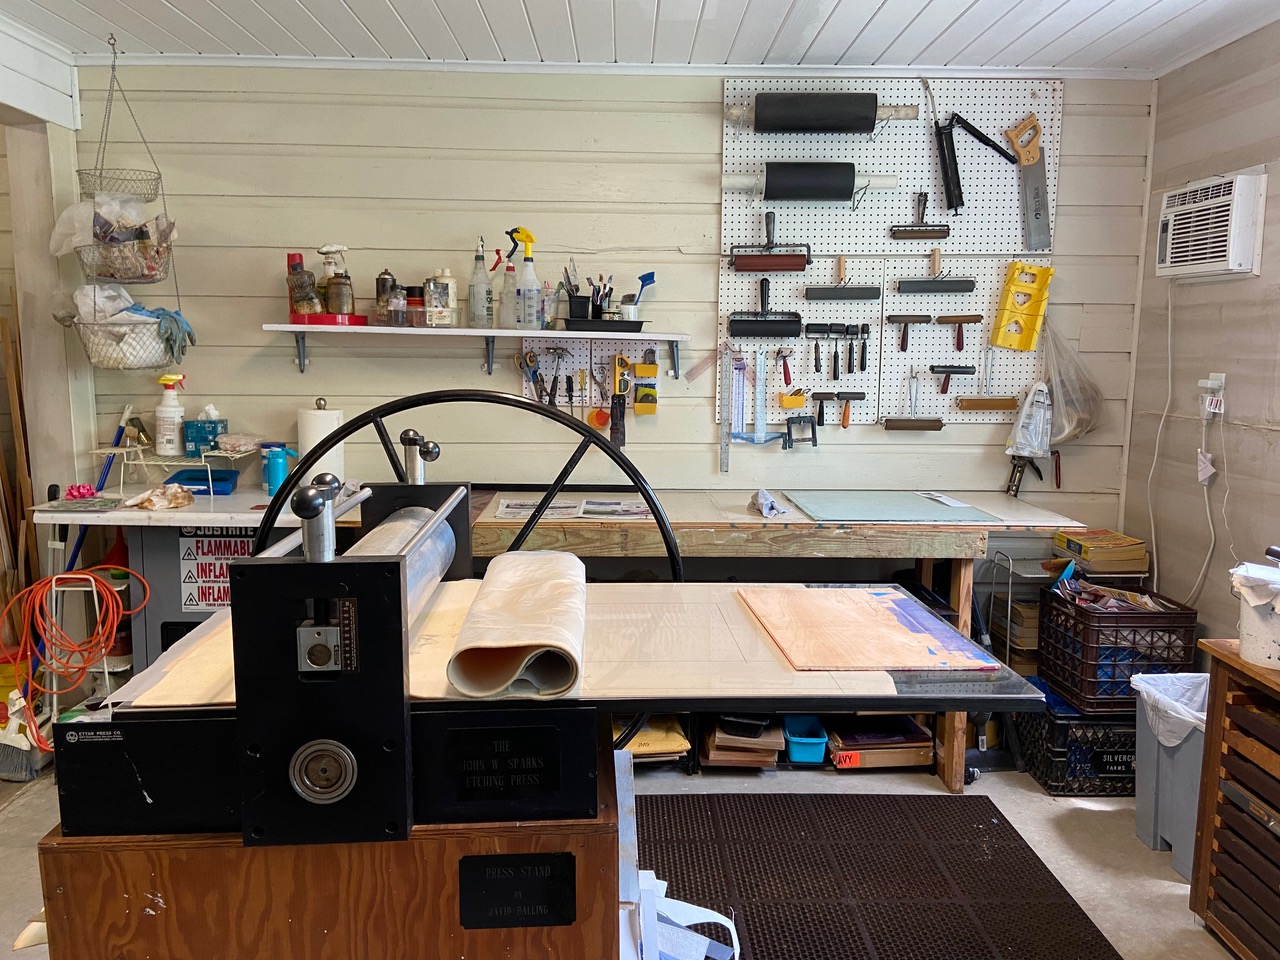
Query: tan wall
[(621, 172), (1217, 115)]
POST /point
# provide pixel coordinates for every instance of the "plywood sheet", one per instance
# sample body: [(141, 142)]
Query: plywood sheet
[(883, 506), (860, 628)]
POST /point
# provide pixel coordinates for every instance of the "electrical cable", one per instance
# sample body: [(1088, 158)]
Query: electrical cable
[(1155, 455), (43, 643), (1226, 486), (1213, 534)]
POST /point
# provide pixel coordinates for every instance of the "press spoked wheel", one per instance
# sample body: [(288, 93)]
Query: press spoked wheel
[(376, 418)]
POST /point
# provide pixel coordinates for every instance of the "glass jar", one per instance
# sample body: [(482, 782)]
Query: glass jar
[(397, 307)]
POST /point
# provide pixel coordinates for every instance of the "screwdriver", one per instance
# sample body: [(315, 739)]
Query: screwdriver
[(568, 390)]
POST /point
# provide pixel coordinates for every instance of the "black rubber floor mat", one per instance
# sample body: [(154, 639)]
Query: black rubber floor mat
[(832, 877)]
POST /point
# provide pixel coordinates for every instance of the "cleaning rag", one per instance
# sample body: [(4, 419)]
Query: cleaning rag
[(763, 501)]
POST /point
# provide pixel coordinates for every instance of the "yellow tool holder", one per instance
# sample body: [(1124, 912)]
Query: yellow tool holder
[(1020, 313)]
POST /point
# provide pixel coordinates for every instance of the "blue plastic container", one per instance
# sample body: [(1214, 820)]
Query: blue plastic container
[(197, 481), (806, 739)]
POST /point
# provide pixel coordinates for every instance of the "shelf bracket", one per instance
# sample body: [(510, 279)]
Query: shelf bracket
[(300, 341), (675, 359), (488, 354)]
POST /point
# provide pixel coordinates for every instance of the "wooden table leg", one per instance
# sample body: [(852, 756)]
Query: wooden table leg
[(962, 592), (924, 572), (949, 747)]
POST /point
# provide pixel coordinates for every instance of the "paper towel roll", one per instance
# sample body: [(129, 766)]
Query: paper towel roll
[(314, 424)]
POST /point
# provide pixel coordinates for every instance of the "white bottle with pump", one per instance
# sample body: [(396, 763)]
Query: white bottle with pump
[(169, 417)]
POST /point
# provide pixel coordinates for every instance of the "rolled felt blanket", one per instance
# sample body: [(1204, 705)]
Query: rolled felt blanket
[(523, 636)]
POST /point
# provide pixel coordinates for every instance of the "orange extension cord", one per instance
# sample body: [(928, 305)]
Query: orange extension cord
[(63, 657)]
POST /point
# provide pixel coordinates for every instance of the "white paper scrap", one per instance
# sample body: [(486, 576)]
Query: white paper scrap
[(941, 498), (1204, 466), (681, 943)]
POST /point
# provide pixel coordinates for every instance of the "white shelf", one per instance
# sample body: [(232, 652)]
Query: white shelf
[(300, 332)]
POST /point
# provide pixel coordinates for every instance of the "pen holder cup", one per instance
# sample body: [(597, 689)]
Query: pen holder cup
[(579, 308), (597, 311)]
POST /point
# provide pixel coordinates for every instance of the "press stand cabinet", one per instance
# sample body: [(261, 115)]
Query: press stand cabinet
[(1235, 885)]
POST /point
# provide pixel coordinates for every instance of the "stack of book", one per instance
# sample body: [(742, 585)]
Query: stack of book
[(1102, 551), (722, 749), (1015, 633), (875, 740)]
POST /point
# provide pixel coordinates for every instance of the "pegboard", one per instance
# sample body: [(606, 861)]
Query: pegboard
[(986, 234), (587, 355), (1012, 371), (990, 222)]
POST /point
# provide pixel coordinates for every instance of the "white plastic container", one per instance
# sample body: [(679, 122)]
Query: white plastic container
[(1259, 588), (169, 417)]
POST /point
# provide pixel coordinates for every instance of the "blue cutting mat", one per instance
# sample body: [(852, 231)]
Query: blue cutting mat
[(881, 506)]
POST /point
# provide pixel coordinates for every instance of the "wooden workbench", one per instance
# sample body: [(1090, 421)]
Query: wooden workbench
[(719, 523)]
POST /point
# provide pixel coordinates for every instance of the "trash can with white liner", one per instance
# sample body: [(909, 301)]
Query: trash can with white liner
[(1258, 587), (1170, 751)]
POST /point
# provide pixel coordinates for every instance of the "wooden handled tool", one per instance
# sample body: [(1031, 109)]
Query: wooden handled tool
[(960, 320), (913, 422), (906, 319), (986, 402), (848, 396)]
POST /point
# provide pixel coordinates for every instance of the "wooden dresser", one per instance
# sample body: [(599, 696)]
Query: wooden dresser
[(1235, 884)]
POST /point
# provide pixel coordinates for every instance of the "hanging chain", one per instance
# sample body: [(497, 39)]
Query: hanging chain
[(106, 112)]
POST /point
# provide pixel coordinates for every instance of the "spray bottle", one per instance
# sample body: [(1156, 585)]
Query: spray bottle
[(528, 290), (169, 416), (507, 307), (480, 293)]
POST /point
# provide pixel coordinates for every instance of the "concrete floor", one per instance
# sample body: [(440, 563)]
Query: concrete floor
[(1130, 892)]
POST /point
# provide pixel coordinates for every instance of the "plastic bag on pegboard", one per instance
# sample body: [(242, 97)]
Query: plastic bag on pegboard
[(1077, 398)]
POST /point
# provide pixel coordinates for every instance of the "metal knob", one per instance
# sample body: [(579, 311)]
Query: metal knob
[(429, 450), (329, 483)]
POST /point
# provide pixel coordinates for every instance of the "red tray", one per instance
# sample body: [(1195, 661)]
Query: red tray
[(330, 319)]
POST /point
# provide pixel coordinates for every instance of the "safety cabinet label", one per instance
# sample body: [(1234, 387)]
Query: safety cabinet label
[(204, 562)]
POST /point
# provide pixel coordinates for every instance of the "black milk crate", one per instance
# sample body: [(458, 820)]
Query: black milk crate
[(1088, 656), (1073, 755)]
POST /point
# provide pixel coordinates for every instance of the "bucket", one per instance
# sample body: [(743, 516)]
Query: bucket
[(1259, 590)]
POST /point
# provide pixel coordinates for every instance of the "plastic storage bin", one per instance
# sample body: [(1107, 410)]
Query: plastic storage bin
[(1170, 753), (197, 481), (806, 739), (1072, 755), (1088, 657)]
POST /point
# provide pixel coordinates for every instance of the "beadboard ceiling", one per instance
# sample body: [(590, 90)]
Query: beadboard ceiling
[(1147, 37)]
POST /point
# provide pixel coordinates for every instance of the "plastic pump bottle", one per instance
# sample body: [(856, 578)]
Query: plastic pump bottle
[(528, 289), (169, 417), (480, 293)]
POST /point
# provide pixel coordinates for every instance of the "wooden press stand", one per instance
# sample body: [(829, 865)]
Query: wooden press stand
[(208, 897)]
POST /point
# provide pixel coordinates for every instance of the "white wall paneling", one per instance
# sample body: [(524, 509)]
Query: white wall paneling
[(625, 180)]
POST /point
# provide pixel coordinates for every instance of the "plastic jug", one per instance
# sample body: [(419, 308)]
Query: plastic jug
[(278, 467)]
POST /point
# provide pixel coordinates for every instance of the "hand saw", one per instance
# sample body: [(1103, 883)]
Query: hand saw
[(1035, 189)]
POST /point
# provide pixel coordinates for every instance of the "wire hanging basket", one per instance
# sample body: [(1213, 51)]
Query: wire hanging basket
[(126, 341), (143, 184)]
